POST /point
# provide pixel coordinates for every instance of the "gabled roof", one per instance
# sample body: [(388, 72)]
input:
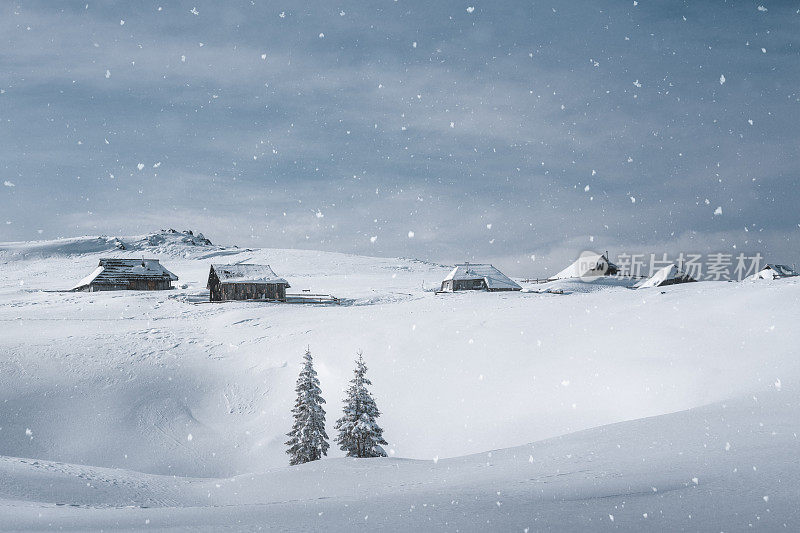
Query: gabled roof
[(113, 271), (494, 278), (588, 265), (246, 273), (669, 275), (781, 270), (773, 271)]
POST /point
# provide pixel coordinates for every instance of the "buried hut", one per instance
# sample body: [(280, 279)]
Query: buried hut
[(669, 275), (773, 271), (245, 282), (127, 274), (588, 266), (469, 277)]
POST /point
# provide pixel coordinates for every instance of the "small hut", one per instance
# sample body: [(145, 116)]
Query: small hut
[(669, 275), (245, 282), (773, 271), (589, 265), (467, 277), (127, 274)]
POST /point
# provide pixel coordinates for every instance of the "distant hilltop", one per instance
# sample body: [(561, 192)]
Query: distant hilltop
[(160, 239), (170, 235), (165, 241)]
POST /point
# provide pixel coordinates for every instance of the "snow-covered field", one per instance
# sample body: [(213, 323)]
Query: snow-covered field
[(157, 409)]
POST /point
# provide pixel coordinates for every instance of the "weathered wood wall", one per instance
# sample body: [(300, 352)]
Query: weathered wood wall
[(463, 285), (468, 285), (131, 285), (149, 285), (246, 291)]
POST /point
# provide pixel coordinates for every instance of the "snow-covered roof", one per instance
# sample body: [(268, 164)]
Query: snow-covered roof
[(113, 271), (588, 265), (246, 273), (494, 278), (773, 271), (668, 275)]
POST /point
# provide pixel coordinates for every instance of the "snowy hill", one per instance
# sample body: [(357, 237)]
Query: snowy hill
[(726, 467), (164, 242), (107, 388)]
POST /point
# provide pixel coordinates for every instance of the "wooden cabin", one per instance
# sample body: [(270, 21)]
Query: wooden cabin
[(245, 282), (127, 274), (467, 277)]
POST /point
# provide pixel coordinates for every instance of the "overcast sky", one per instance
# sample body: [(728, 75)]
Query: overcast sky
[(493, 131)]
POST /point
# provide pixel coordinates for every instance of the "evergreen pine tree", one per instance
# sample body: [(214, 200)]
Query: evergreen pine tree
[(307, 439), (359, 433)]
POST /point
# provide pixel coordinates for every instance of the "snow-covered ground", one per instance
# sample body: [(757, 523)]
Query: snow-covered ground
[(136, 409)]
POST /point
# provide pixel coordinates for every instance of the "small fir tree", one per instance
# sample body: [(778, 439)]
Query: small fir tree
[(307, 439), (359, 433)]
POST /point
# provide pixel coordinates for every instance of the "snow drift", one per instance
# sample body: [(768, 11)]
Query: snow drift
[(129, 386)]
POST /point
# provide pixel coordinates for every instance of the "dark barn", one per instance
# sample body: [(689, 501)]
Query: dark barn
[(127, 274), (245, 282)]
